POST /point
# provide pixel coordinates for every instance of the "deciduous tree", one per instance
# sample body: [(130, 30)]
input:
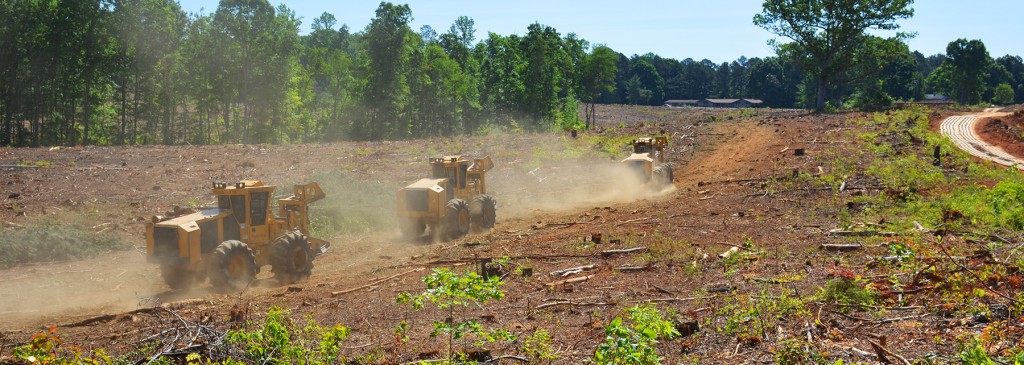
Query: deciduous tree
[(828, 34)]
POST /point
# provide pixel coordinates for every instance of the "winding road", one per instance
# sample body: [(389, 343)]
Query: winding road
[(960, 130)]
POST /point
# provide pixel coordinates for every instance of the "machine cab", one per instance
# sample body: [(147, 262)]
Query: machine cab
[(453, 168), (249, 203), (652, 146)]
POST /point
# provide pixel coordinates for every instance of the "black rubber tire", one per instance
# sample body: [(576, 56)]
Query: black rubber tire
[(456, 218), (291, 258), (412, 228), (232, 266), (662, 176), (483, 211), (178, 276)]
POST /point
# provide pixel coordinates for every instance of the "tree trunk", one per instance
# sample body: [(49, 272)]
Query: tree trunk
[(819, 104)]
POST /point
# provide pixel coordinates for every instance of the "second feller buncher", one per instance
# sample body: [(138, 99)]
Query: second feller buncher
[(451, 202)]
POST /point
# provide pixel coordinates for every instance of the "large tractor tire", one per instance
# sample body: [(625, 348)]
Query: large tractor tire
[(412, 228), (291, 258), (232, 266), (456, 219), (483, 211), (178, 276), (663, 176)]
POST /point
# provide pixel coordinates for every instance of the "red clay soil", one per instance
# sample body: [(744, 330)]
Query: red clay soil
[(1007, 132)]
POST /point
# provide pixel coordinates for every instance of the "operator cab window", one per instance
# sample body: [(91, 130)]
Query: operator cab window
[(238, 208), (462, 175), (438, 170), (451, 172), (258, 203)]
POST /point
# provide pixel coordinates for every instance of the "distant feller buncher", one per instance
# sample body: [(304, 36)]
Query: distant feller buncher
[(648, 161)]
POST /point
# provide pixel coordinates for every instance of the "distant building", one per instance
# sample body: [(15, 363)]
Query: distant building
[(930, 100), (729, 103), (680, 103)]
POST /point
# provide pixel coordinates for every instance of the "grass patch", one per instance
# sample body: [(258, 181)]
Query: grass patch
[(51, 242), (351, 205)]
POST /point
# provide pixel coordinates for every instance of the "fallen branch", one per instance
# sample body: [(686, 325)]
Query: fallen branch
[(882, 351), (976, 276), (631, 268), (634, 220), (737, 246), (376, 282), (864, 233), (573, 270), (569, 302), (821, 142), (671, 299), (897, 319), (570, 281), (565, 224), (627, 250), (107, 317), (842, 247), (499, 358), (663, 290)]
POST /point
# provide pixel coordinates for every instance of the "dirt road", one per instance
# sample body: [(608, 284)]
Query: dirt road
[(961, 130)]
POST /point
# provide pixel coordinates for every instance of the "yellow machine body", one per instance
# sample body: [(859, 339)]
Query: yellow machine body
[(243, 213)]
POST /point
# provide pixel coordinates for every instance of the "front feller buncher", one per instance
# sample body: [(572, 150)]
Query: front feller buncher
[(230, 243), (452, 202)]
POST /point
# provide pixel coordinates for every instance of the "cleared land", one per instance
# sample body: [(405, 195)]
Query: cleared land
[(763, 184)]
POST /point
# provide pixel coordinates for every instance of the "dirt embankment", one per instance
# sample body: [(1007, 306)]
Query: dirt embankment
[(1005, 131)]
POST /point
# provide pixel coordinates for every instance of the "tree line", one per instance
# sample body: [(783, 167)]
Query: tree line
[(127, 72)]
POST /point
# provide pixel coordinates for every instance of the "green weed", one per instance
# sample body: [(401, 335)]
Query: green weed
[(847, 289), (450, 291), (753, 317), (47, 348), (281, 341), (538, 349), (635, 344)]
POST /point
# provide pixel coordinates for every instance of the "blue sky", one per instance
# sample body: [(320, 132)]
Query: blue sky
[(716, 30)]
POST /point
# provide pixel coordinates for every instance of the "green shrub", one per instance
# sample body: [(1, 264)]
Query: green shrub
[(47, 348), (281, 341), (450, 291), (847, 289), (634, 344), (755, 316)]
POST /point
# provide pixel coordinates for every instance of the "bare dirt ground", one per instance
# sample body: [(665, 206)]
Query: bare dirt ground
[(550, 205), (1005, 130)]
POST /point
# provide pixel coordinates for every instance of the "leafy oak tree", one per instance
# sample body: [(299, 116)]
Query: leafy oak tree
[(828, 34), (968, 61)]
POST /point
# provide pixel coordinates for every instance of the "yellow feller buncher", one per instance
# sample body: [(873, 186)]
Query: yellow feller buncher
[(231, 242), (648, 161), (451, 202)]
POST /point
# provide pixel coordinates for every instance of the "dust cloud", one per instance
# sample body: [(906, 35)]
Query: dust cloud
[(358, 216), (58, 293), (567, 185)]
